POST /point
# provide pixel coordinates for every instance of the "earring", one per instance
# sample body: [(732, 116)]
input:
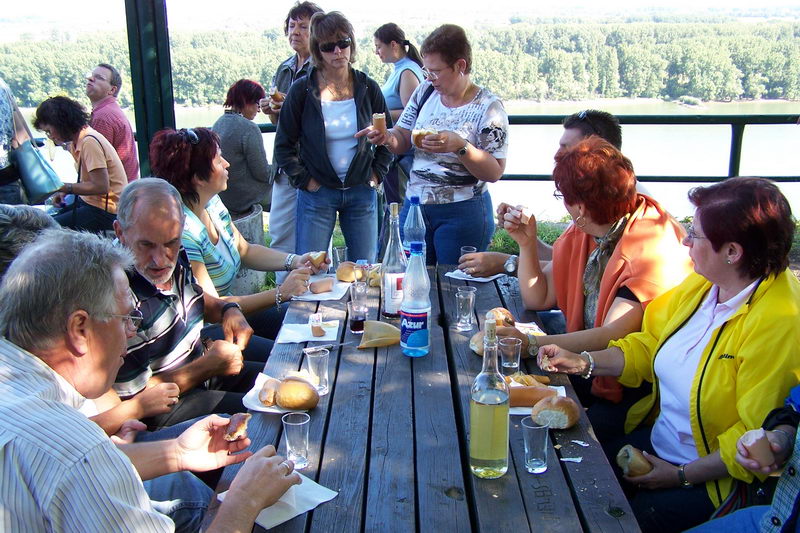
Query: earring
[(728, 261), (580, 221), (461, 73)]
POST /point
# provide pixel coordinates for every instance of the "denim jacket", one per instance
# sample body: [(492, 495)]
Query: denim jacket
[(300, 149)]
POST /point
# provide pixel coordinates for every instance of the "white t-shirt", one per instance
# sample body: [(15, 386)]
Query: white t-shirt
[(442, 178), (340, 128)]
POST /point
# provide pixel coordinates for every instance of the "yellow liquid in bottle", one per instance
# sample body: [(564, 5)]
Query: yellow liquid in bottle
[(488, 438)]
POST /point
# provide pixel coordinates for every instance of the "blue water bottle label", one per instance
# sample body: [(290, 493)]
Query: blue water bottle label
[(414, 329)]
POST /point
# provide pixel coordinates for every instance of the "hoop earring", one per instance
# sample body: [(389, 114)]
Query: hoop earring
[(580, 221)]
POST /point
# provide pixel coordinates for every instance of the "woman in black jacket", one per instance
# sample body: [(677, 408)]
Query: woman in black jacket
[(316, 146)]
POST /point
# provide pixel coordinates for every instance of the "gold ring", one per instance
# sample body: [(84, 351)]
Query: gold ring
[(288, 468)]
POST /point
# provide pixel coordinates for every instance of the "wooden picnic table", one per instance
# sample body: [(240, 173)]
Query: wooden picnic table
[(391, 437)]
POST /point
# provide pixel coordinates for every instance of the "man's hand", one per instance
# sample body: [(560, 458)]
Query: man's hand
[(127, 431), (263, 479), (157, 399), (202, 447), (483, 264), (58, 199), (224, 358), (236, 328)]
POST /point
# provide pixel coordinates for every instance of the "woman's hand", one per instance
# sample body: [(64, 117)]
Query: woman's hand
[(304, 261), (295, 284), (443, 142), (780, 447), (482, 264), (506, 331), (374, 136), (520, 226), (664, 475), (552, 358)]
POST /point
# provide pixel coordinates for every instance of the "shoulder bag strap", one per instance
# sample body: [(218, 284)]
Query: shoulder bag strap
[(80, 164)]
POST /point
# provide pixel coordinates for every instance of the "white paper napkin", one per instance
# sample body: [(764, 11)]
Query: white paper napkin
[(297, 500), (526, 411), (339, 290), (302, 332), (458, 274)]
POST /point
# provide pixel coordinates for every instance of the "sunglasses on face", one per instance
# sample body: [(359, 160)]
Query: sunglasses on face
[(330, 47)]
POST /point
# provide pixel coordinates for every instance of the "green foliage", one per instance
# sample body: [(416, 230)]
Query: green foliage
[(558, 60), (547, 231)]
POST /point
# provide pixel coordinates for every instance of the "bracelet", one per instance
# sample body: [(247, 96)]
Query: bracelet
[(278, 299), (685, 484), (230, 305), (589, 358), (69, 188), (785, 434), (287, 264), (533, 345)]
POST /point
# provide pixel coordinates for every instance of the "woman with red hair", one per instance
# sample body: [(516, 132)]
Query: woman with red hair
[(243, 147), (622, 250)]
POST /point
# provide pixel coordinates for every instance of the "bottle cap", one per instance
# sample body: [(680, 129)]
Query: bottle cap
[(416, 246), (362, 262), (415, 200), (394, 209)]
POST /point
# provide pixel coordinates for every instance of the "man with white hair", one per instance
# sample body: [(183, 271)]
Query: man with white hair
[(58, 470)]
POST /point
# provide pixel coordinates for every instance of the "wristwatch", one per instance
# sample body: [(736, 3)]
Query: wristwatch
[(685, 484), (463, 150), (510, 266)]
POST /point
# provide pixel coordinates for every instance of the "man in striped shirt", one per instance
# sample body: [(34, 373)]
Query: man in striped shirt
[(58, 470), (167, 347)]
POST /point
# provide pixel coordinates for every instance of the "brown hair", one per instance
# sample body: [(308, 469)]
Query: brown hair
[(450, 42), (391, 32), (326, 27), (300, 10)]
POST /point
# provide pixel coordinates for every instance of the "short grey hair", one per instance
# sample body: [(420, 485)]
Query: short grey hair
[(116, 79), (59, 273), (19, 226), (150, 189)]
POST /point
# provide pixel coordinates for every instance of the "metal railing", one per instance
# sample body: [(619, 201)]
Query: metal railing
[(736, 122)]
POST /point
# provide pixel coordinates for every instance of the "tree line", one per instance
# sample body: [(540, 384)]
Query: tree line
[(537, 61)]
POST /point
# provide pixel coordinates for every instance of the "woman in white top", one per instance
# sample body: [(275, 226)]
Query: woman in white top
[(334, 172), (451, 167)]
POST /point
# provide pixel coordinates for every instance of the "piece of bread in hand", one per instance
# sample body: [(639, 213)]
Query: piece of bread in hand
[(558, 412), (318, 258), (418, 135), (237, 426), (323, 285), (503, 317), (633, 462), (758, 446)]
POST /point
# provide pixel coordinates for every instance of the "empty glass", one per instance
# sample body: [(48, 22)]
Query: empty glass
[(510, 348), (536, 443), (465, 307), (317, 364), (339, 256), (295, 429), (358, 292)]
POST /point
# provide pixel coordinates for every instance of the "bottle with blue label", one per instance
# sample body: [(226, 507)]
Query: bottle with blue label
[(414, 228), (415, 311)]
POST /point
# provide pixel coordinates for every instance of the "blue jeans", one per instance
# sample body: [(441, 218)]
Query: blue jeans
[(448, 227), (9, 193), (358, 218), (82, 216), (742, 521), (182, 497)]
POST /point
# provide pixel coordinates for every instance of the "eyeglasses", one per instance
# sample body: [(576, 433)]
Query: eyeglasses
[(583, 116), (330, 47), (92, 75), (692, 234), (432, 75), (557, 195), (133, 320), (191, 136)]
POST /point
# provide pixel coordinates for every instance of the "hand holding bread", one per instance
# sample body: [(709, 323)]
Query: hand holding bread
[(295, 283), (632, 462), (752, 454)]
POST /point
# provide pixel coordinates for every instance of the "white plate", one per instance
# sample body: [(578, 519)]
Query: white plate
[(251, 400)]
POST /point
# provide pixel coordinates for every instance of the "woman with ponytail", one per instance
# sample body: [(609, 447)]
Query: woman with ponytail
[(391, 46)]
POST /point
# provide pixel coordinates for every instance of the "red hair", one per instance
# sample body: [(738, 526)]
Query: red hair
[(244, 92), (753, 213), (178, 156), (597, 175)]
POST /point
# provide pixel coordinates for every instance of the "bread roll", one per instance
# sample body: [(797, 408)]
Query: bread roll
[(237, 426), (476, 343), (318, 258), (323, 285), (303, 375), (346, 271), (503, 316), (558, 412), (528, 396), (418, 135), (758, 446), (294, 393), (276, 95), (268, 390), (633, 462), (379, 122)]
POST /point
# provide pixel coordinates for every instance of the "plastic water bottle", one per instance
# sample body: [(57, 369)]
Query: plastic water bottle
[(414, 228), (415, 311), (393, 267)]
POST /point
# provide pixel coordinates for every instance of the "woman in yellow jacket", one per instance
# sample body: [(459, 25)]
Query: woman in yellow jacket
[(722, 349)]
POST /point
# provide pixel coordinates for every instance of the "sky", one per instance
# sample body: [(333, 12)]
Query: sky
[(42, 17)]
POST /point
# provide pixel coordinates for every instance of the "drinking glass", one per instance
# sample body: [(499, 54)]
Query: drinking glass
[(339, 256), (357, 313), (358, 292), (465, 307), (468, 250), (535, 436), (510, 349), (317, 364), (295, 428)]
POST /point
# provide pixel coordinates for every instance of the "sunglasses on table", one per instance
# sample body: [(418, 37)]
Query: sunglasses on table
[(330, 47)]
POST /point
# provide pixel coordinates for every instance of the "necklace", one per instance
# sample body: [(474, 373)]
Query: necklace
[(337, 92)]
